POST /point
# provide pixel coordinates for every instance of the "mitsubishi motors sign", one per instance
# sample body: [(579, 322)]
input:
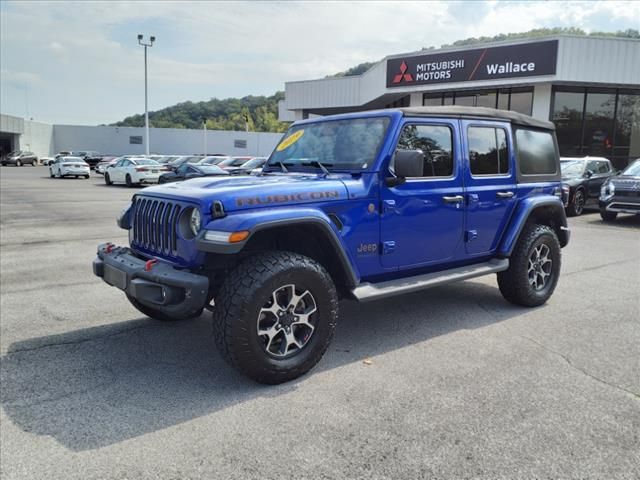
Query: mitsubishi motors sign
[(511, 61)]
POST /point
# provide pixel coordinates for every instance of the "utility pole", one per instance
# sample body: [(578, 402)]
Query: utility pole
[(146, 96), (204, 123)]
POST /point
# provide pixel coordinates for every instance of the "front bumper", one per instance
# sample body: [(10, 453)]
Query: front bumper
[(621, 204), (174, 292)]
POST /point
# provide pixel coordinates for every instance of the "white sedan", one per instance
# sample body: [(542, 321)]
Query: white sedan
[(133, 171), (69, 167)]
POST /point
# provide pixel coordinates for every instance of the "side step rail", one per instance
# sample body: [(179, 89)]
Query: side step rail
[(374, 291)]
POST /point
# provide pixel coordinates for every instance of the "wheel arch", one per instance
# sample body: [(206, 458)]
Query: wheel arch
[(547, 210)]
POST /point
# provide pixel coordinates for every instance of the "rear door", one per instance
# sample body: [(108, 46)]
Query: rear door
[(490, 180)]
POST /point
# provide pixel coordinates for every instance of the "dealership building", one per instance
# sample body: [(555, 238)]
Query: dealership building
[(588, 86)]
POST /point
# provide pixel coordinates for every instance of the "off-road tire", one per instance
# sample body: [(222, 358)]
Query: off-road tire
[(240, 299), (576, 206), (156, 315), (107, 179), (514, 282), (608, 216), (127, 180)]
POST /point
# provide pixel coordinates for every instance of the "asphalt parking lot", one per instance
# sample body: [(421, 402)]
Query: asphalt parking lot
[(457, 383)]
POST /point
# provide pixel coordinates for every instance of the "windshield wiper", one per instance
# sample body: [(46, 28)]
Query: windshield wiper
[(316, 163)]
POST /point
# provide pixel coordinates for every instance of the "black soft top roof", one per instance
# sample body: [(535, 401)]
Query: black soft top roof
[(477, 112)]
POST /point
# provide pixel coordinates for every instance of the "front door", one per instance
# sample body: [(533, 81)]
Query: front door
[(422, 219), (490, 178)]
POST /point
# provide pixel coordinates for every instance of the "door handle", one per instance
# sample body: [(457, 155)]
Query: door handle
[(504, 194), (453, 199)]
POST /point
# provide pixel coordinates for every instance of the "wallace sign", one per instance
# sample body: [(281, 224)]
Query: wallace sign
[(525, 60)]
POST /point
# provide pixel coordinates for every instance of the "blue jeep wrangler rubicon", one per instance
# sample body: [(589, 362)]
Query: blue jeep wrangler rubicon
[(362, 206)]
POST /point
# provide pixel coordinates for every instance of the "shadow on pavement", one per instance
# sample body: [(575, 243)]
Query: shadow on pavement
[(95, 387)]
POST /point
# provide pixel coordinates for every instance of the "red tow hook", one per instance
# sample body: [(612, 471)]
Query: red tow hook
[(149, 263), (109, 247)]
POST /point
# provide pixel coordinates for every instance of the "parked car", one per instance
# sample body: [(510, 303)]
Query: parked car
[(621, 194), (133, 171), (89, 156), (188, 170), (213, 160), (233, 162), (64, 166), (106, 161), (46, 161), (581, 180), (184, 159), (252, 166), (19, 158), (364, 217)]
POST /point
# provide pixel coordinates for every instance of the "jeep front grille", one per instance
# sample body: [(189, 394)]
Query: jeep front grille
[(155, 224)]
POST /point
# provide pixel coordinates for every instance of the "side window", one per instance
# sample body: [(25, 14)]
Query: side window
[(536, 152), (182, 169), (593, 166), (120, 163), (603, 167), (436, 142), (488, 154)]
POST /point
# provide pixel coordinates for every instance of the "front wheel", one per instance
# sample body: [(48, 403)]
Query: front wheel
[(18, 163), (608, 216), (275, 316), (51, 175), (86, 177), (107, 179), (534, 267)]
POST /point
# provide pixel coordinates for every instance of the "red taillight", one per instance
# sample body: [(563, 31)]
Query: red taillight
[(141, 169)]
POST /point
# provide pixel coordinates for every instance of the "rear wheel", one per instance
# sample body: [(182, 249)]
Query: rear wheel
[(534, 267), (51, 175), (576, 207), (86, 177), (156, 315), (128, 181), (275, 316), (107, 179)]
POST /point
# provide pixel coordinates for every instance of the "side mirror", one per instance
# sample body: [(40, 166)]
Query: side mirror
[(405, 163), (589, 173)]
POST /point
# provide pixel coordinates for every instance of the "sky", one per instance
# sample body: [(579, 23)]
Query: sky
[(80, 62)]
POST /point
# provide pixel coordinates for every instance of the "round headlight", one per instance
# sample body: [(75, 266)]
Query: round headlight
[(195, 221)]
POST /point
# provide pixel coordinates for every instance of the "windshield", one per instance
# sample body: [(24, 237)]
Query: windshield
[(146, 162), (342, 144), (572, 168), (632, 170), (211, 169), (255, 163)]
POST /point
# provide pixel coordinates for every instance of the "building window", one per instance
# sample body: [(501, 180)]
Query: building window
[(488, 151), (399, 103), (240, 144), (135, 140), (591, 121), (516, 99)]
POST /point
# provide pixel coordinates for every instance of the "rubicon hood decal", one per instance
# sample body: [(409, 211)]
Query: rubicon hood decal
[(238, 193)]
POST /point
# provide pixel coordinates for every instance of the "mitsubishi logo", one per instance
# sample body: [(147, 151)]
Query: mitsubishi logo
[(403, 75)]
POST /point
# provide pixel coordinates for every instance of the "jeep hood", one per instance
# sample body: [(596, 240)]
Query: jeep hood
[(244, 192)]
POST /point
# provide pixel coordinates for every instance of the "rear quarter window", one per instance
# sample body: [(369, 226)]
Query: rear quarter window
[(536, 151)]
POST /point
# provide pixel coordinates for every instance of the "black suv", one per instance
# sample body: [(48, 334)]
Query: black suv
[(581, 181), (89, 156), (621, 194)]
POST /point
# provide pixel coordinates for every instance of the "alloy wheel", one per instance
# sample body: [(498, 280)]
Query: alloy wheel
[(286, 322), (539, 266)]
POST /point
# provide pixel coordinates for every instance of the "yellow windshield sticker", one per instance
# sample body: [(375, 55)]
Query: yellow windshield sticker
[(290, 140)]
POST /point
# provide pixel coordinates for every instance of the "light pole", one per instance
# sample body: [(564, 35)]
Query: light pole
[(204, 123), (146, 99)]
